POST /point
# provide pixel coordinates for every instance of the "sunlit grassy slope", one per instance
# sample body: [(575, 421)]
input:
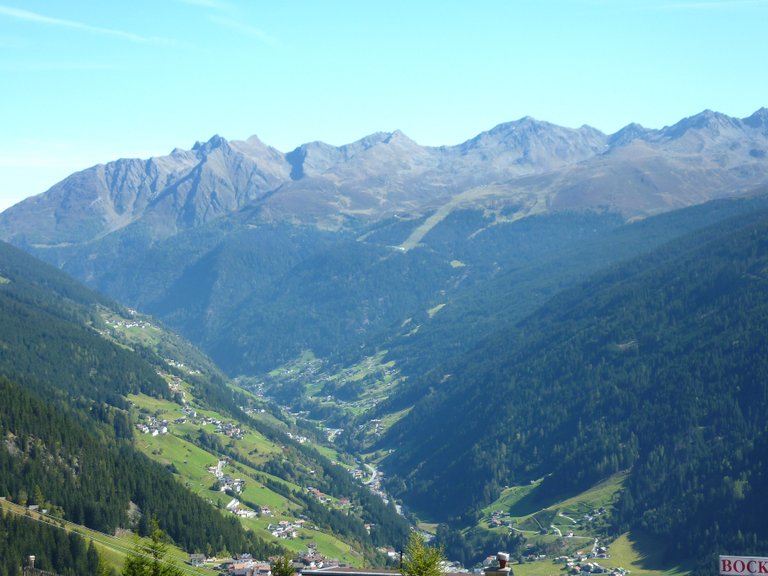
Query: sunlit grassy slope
[(191, 465), (575, 521)]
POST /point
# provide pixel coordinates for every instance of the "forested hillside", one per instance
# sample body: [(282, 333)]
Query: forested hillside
[(64, 422), (656, 366), (54, 550), (534, 259), (67, 419)]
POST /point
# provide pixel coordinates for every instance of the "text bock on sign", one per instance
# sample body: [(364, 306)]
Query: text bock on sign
[(743, 565)]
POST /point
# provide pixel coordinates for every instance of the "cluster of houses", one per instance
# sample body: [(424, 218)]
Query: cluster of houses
[(189, 411), (251, 411), (332, 433), (323, 498), (234, 507), (298, 438), (153, 426), (240, 565), (256, 388), (342, 502), (582, 563), (174, 384), (375, 486), (373, 426), (287, 530), (180, 366), (156, 427), (247, 565), (225, 481), (499, 518), (230, 429), (575, 568), (132, 323), (312, 559), (594, 514), (391, 554), (229, 484)]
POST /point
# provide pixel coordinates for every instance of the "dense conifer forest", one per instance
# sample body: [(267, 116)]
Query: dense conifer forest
[(54, 549), (656, 366), (66, 434)]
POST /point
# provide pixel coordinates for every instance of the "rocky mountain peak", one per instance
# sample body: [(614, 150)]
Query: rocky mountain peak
[(757, 120), (707, 120), (398, 137), (369, 141), (530, 145), (525, 125), (214, 143), (630, 132)]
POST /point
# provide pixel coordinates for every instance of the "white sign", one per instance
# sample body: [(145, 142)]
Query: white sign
[(743, 565)]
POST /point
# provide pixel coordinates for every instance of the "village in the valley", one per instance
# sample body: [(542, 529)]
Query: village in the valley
[(583, 560)]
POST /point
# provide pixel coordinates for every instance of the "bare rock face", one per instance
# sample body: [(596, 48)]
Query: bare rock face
[(184, 189), (528, 146), (533, 165)]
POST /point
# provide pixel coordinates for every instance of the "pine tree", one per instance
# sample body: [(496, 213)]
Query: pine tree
[(421, 559), (150, 559), (282, 566)]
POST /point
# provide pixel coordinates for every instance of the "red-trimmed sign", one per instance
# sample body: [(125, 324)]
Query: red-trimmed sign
[(743, 565)]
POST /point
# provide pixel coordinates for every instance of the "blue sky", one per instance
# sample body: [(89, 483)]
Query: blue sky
[(87, 81)]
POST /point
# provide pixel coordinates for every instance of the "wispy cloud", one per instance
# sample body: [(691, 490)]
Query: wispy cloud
[(244, 28), (35, 17), (226, 15)]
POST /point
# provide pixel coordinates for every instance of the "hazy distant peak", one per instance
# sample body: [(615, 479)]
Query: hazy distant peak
[(254, 148), (524, 124), (254, 141), (369, 141), (312, 158), (758, 119), (634, 127), (315, 145), (630, 132), (213, 143), (378, 138), (527, 134), (706, 120), (398, 137)]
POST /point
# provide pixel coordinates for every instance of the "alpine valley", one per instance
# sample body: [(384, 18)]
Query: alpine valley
[(546, 340)]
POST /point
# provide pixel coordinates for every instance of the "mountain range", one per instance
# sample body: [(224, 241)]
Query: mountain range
[(233, 243), (537, 306), (516, 169)]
